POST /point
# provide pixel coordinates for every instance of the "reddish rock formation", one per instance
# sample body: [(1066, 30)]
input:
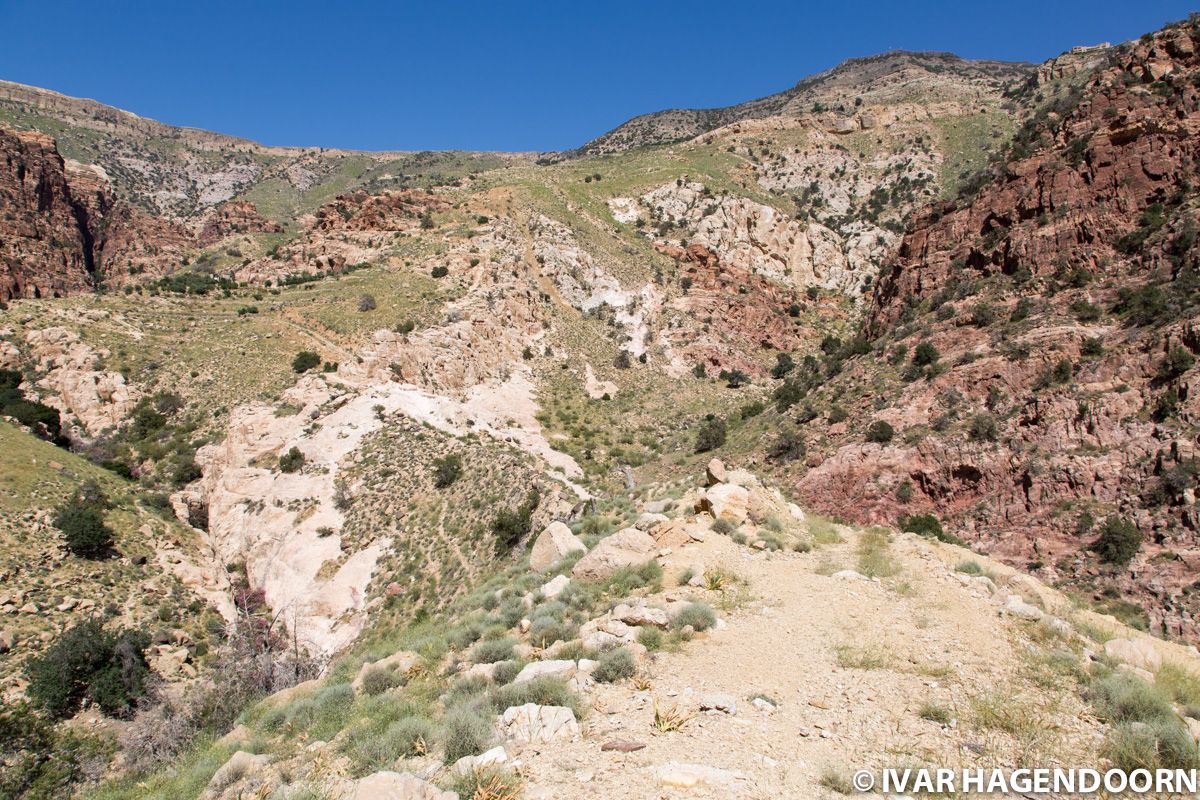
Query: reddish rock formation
[(731, 313), (1086, 414), (45, 233), (233, 217), (63, 232), (386, 211)]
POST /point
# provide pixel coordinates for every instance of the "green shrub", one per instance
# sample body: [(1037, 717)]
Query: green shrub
[(626, 579), (711, 434), (466, 730), (928, 526), (490, 651), (543, 691), (983, 428), (615, 665), (969, 568), (446, 470), (511, 525), (291, 461), (87, 662), (490, 782), (439, 272), (1118, 542), (650, 638), (84, 530), (305, 360), (698, 615), (788, 447), (925, 354), (506, 671), (880, 432)]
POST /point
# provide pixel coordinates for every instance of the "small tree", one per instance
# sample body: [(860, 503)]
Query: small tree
[(1119, 541), (880, 432), (984, 428), (304, 361), (87, 662), (711, 434), (788, 447), (925, 354), (783, 365), (446, 470), (510, 525), (84, 530), (439, 272), (291, 461)]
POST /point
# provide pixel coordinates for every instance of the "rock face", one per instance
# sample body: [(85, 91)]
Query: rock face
[(233, 217), (628, 547), (1054, 298), (63, 232), (96, 399), (45, 235), (552, 545)]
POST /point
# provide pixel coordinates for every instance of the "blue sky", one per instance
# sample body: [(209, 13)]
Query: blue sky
[(504, 75)]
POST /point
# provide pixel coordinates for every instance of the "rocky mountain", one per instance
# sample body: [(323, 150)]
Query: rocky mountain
[(834, 100), (388, 461)]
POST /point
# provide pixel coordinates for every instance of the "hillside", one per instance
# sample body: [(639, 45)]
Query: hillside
[(353, 409), (839, 100)]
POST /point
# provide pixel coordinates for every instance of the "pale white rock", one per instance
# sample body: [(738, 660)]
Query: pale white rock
[(628, 547), (727, 501), (849, 574), (397, 786), (687, 776), (552, 545), (540, 669), (1138, 653), (641, 614), (555, 586), (1017, 607), (534, 724)]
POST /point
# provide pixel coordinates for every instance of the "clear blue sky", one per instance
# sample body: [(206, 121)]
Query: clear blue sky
[(502, 75)]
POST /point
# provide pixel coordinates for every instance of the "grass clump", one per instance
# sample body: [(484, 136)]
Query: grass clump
[(466, 730), (626, 579), (969, 568), (699, 616), (935, 712), (490, 783), (489, 651), (836, 781), (874, 554), (861, 657), (614, 665), (543, 691)]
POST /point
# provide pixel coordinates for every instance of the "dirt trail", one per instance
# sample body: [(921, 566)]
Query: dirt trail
[(937, 641)]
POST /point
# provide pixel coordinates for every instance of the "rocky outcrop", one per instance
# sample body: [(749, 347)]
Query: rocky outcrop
[(72, 372), (46, 247), (231, 218), (63, 231), (1054, 402)]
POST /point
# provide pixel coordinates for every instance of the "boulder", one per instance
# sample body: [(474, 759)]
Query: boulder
[(240, 766), (555, 586), (552, 545), (1138, 653), (397, 786), (534, 724), (628, 547), (726, 501), (400, 662), (467, 764), (539, 669), (646, 521), (715, 472), (641, 614), (1017, 607)]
